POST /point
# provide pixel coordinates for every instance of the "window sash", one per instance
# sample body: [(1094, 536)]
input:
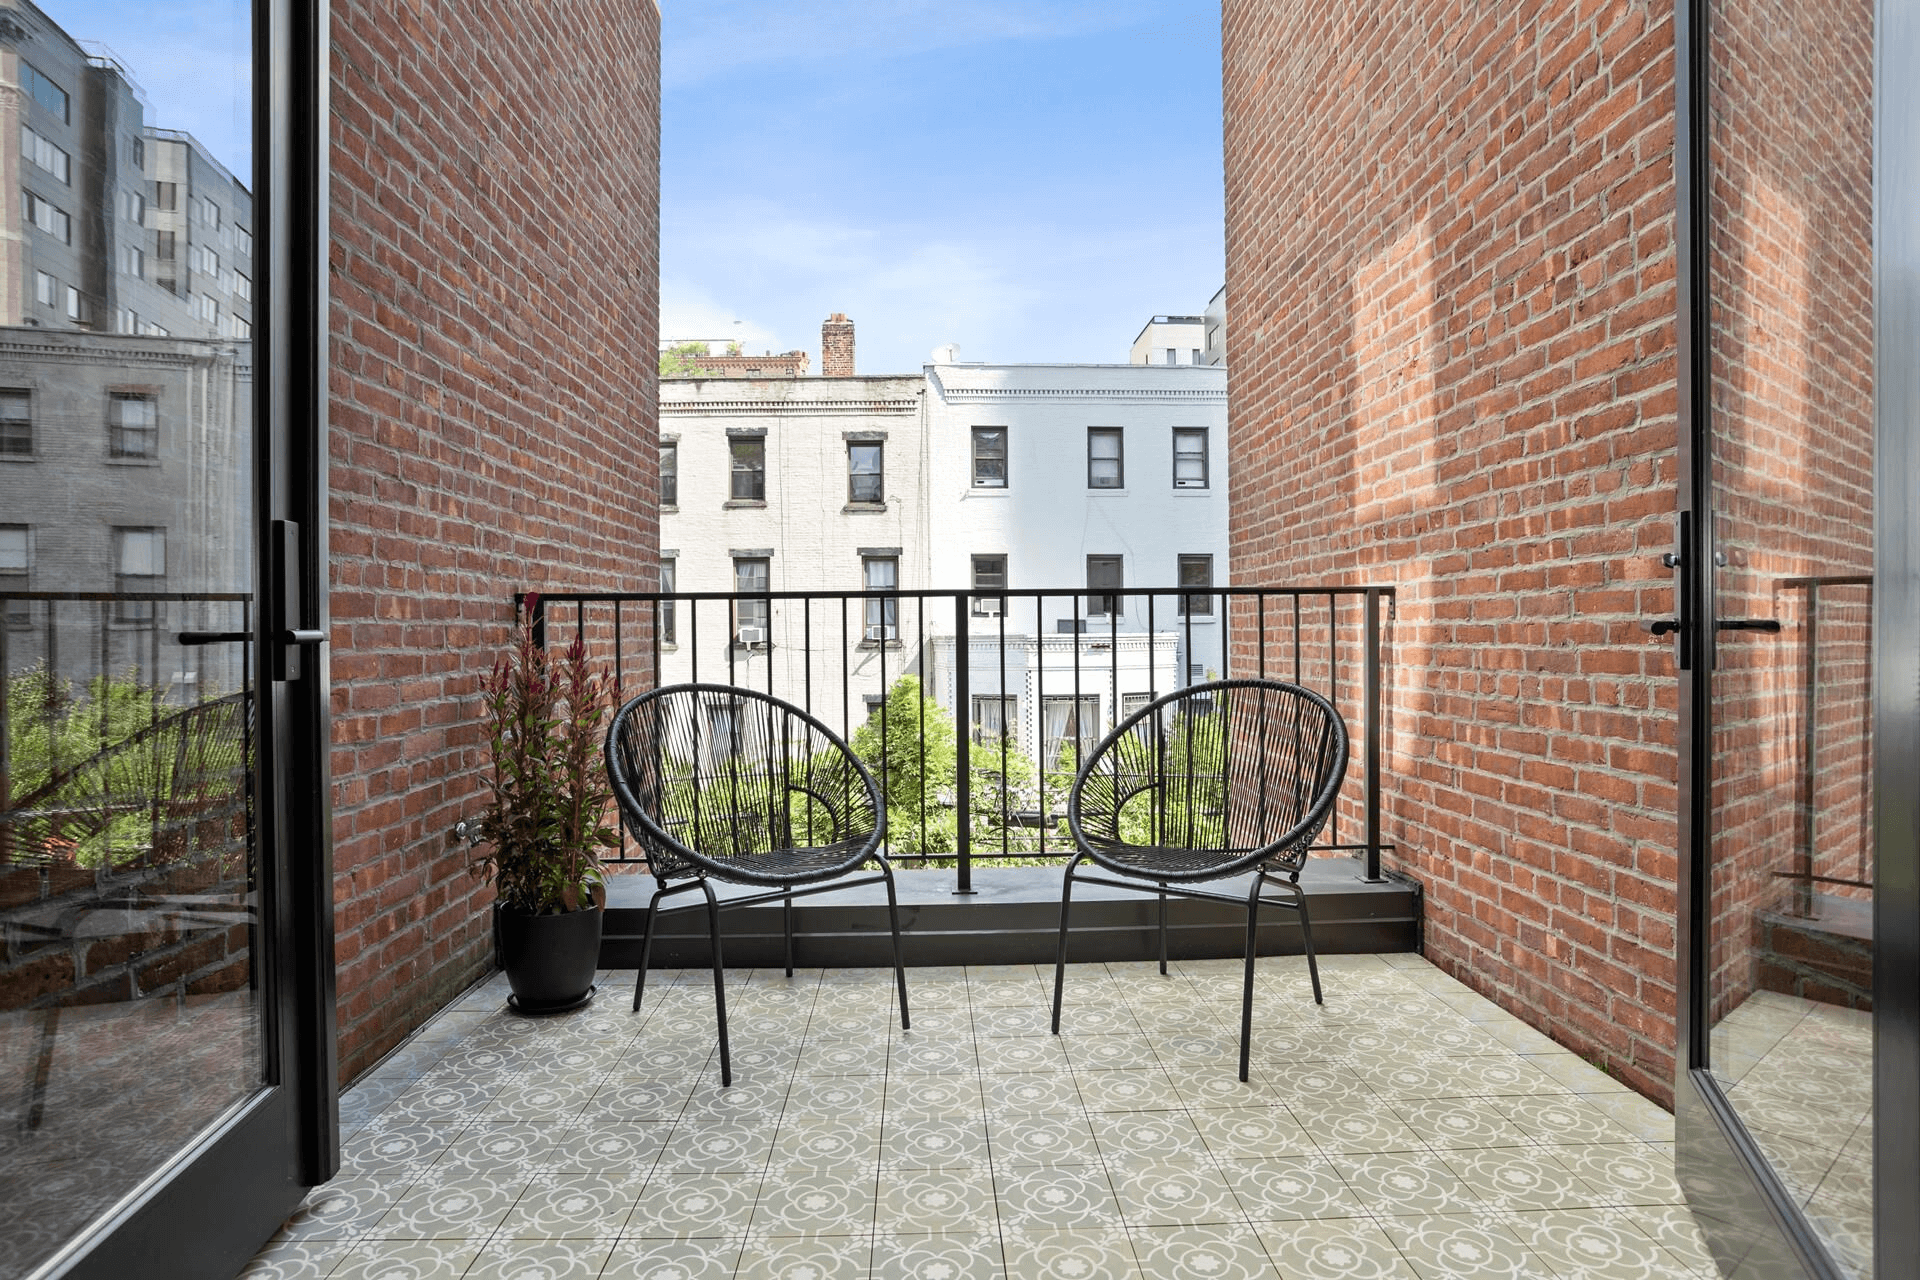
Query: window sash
[(1105, 458), (989, 573), (670, 475), (1196, 571), (865, 464), (751, 576), (1189, 458), (1105, 571), (133, 427), (881, 573), (993, 717), (1065, 723), (749, 470), (989, 457), (16, 423), (669, 574)]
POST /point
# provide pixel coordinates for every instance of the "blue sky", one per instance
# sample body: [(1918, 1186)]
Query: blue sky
[(189, 58), (1031, 180)]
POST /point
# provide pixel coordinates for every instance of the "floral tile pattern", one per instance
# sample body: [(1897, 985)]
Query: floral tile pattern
[(1406, 1130)]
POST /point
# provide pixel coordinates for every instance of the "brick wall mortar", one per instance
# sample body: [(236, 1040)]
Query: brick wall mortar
[(494, 411)]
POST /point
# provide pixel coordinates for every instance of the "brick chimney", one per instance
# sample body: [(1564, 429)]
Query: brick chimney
[(836, 346)]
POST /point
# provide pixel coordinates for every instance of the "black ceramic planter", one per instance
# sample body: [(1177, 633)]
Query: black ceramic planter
[(549, 959)]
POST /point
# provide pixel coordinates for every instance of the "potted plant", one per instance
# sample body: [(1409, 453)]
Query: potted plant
[(545, 820)]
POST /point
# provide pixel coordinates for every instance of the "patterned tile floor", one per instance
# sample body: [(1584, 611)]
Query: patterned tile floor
[(1408, 1129)]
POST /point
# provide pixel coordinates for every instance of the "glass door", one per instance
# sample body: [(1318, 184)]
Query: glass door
[(1776, 1096), (158, 1015)]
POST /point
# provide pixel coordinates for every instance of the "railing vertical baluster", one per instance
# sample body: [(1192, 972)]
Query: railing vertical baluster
[(963, 758), (1039, 709), (806, 644), (1371, 874), (693, 640), (1809, 759), (1006, 819)]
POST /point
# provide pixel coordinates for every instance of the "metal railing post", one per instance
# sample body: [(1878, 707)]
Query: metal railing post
[(963, 747), (1371, 864), (1809, 758)]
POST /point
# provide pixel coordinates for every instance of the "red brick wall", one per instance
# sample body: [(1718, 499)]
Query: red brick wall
[(494, 407), (1450, 260)]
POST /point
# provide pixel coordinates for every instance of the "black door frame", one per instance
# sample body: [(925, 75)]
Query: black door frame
[(211, 1207), (1749, 1218)]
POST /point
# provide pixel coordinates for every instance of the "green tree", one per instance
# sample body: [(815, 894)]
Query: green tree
[(682, 360), (918, 775)]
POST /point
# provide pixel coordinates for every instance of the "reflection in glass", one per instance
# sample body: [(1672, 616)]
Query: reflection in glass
[(129, 1016), (1791, 257)]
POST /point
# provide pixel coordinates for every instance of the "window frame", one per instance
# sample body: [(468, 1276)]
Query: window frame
[(878, 474), (137, 611), (17, 615), (988, 606), (1119, 459), (1206, 477), (1200, 606), (33, 78), (977, 457), (16, 433), (1009, 705), (1110, 598), (670, 473), (1084, 739), (119, 432), (880, 614), (666, 619), (756, 612), (756, 476)]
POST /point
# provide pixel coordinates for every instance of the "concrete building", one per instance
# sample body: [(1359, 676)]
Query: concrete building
[(793, 484), (1215, 319), (1170, 340), (1055, 476)]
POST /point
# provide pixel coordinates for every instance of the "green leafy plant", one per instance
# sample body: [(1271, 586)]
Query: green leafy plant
[(682, 360), (546, 816)]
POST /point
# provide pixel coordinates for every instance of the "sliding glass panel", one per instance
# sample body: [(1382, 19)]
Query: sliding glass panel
[(1792, 858), (130, 1013)]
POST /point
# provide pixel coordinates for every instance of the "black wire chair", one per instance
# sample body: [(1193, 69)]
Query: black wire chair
[(717, 782), (1215, 780)]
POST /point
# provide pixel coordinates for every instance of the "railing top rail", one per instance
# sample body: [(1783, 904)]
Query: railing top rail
[(112, 596), (948, 593)]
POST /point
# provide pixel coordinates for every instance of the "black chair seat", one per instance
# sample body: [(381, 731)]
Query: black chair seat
[(1216, 780), (718, 782)]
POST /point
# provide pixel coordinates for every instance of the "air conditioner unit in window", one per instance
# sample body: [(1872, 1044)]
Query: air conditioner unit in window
[(882, 631), (752, 637)]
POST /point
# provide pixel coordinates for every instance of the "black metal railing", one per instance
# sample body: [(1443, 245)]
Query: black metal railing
[(1031, 679)]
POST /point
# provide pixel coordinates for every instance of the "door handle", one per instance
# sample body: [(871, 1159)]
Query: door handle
[(212, 637), (1771, 625), (304, 637), (1660, 626)]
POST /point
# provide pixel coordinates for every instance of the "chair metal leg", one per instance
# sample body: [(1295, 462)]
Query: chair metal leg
[(1246, 990), (719, 983), (899, 957), (1163, 931), (1060, 963), (1306, 938), (646, 949), (786, 914)]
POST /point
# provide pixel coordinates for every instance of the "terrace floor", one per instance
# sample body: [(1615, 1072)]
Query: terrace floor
[(1408, 1129)]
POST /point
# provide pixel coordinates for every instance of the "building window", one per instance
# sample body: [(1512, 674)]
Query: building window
[(133, 261), (242, 287), (74, 304), (669, 574), (45, 91), (1189, 457), (876, 705), (133, 207), (749, 468), (993, 718), (989, 457), (751, 618), (206, 212), (239, 327), (163, 246), (866, 472), (204, 260), (166, 196), (1104, 458), (16, 569), (16, 423), (1104, 571), (43, 153), (139, 565), (723, 729), (881, 573), (243, 242), (1173, 355), (45, 216), (989, 574), (670, 474), (206, 309), (133, 426), (1132, 702), (46, 289), (1196, 571), (1071, 722)]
